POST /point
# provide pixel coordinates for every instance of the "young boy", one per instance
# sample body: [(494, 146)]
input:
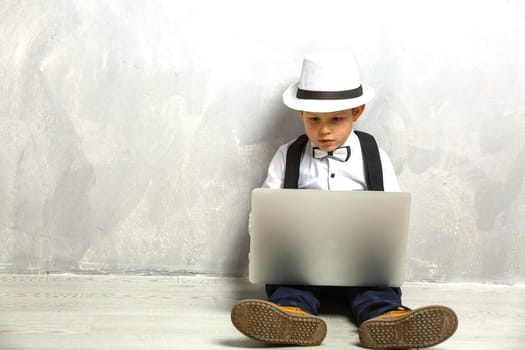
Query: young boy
[(330, 97)]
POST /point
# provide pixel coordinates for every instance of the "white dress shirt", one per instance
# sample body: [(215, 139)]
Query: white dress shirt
[(328, 173)]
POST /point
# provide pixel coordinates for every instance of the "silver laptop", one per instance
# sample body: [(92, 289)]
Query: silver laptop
[(328, 238)]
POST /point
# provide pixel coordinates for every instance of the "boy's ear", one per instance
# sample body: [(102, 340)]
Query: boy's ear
[(357, 111)]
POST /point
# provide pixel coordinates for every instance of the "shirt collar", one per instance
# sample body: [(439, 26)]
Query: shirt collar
[(351, 141)]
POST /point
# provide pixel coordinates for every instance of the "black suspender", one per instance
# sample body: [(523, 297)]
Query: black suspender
[(293, 160), (371, 160)]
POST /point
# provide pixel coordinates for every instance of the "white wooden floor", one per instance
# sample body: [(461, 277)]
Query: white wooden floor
[(193, 312)]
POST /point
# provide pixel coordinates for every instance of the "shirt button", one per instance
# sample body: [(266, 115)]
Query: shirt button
[(332, 175)]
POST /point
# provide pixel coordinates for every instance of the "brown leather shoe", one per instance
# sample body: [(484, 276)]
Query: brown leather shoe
[(274, 324), (405, 329)]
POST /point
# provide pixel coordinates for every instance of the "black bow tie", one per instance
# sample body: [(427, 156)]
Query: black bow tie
[(341, 154)]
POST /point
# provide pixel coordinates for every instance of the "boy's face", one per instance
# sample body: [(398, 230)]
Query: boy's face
[(329, 130)]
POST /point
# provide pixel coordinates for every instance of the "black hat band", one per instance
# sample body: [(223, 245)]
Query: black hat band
[(329, 95)]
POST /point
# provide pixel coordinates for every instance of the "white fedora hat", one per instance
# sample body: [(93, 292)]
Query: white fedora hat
[(328, 83)]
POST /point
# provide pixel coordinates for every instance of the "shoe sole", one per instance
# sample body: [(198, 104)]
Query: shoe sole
[(423, 327), (266, 322)]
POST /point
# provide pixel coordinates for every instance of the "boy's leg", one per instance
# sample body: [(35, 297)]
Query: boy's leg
[(287, 318), (367, 303), (304, 297), (398, 326)]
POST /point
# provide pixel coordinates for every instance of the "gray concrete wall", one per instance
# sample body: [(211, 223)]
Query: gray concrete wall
[(133, 131)]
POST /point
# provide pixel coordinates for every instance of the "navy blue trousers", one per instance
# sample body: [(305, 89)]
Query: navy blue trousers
[(364, 302)]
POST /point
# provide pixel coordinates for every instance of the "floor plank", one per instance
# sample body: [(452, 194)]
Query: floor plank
[(192, 312)]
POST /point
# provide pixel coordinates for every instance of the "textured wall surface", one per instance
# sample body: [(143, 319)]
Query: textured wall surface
[(133, 131)]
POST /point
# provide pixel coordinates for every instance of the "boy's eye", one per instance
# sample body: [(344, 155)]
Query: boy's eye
[(336, 119)]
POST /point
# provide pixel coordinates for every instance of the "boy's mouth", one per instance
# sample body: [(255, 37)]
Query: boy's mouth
[(326, 142)]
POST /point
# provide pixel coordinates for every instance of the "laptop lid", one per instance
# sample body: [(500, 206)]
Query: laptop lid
[(328, 238)]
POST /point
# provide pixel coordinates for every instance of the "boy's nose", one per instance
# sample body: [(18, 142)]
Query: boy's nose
[(325, 129)]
